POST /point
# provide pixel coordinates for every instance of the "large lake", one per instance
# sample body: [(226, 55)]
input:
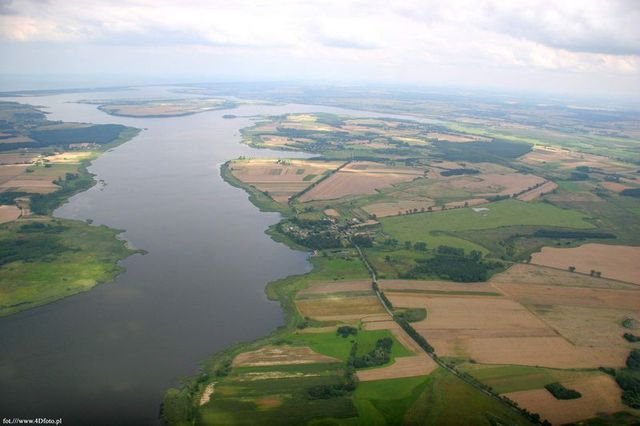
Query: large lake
[(108, 355)]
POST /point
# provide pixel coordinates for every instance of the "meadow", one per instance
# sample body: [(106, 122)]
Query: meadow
[(448, 227), (55, 259)]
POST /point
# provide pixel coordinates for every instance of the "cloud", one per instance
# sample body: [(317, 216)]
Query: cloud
[(6, 9), (471, 39), (607, 27)]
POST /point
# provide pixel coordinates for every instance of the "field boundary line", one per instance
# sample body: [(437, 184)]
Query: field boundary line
[(535, 418), (316, 183)]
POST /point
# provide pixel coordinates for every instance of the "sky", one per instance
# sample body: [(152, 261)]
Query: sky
[(564, 46)]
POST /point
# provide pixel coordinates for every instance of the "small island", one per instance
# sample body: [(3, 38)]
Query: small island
[(160, 108)]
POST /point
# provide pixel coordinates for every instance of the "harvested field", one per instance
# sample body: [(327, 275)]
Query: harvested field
[(614, 186), (472, 314), (589, 326), (22, 158), (29, 185), (379, 322), (398, 207), (340, 308), (538, 192), (600, 394), (281, 179), (337, 287), (9, 172), (409, 366), (272, 141), (533, 274), (9, 213), (574, 197), (494, 183), (570, 296), (16, 139), (280, 355), (360, 178), (397, 331), (496, 330), (332, 212), (451, 137), (466, 203), (554, 352), (617, 262), (566, 159), (443, 287)]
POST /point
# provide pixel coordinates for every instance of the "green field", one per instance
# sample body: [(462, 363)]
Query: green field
[(438, 399), (331, 344), (431, 227), (385, 402), (72, 257), (513, 378), (264, 401)]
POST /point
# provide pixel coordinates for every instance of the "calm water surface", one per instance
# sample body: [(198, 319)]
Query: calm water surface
[(107, 356)]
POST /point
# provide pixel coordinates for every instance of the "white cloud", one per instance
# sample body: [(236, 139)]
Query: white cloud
[(375, 38)]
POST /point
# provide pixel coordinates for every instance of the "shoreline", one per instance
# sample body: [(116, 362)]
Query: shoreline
[(282, 290), (71, 226)]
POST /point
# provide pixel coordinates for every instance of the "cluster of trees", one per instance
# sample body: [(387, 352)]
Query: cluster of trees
[(328, 391), (346, 331), (453, 264), (224, 368), (319, 241), (99, 134), (633, 360), (629, 380), (330, 119), (47, 228), (316, 236), (579, 176), (493, 151), (380, 355), (631, 337), (560, 392), (573, 235), (362, 240), (493, 198), (348, 384), (408, 245), (631, 192), (456, 172), (10, 196), (30, 248)]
